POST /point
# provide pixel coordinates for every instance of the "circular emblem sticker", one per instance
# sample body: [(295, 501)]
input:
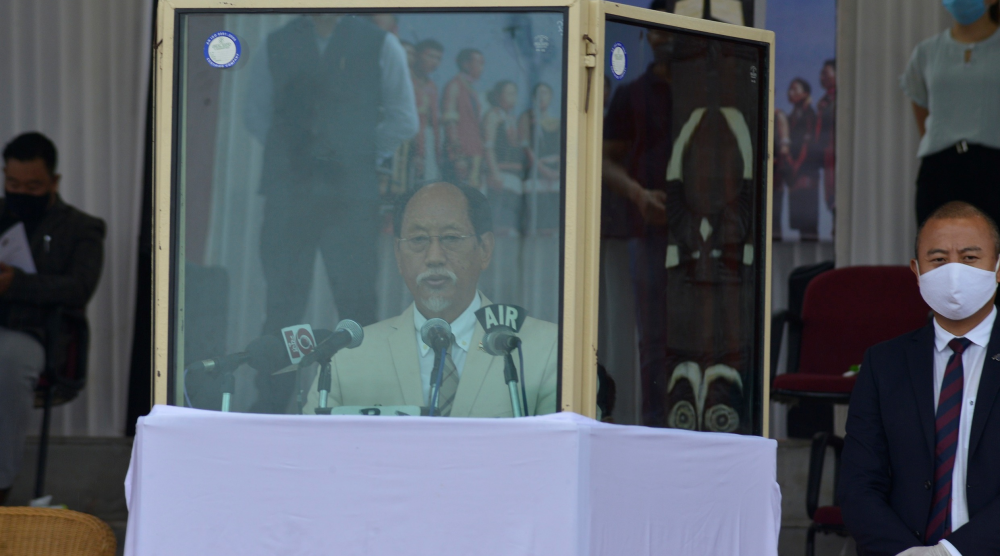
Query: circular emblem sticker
[(619, 60), (222, 50)]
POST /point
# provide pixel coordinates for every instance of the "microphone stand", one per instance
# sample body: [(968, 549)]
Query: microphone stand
[(228, 385), (439, 356), (510, 377), (325, 383)]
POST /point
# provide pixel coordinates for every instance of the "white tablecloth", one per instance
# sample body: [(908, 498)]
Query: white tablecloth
[(213, 483)]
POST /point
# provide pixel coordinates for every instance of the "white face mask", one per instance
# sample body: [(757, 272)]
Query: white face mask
[(956, 291)]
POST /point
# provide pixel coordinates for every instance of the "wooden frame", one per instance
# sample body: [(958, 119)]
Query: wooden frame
[(584, 125)]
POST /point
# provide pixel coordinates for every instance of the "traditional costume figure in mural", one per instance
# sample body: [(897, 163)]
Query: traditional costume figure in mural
[(708, 260), (802, 167), (427, 143), (460, 113), (782, 149), (826, 132), (541, 133), (504, 171)]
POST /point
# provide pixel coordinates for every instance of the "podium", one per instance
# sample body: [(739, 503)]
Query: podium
[(204, 482)]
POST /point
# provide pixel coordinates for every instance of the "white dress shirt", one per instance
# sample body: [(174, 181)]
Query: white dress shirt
[(399, 105), (462, 328), (973, 359)]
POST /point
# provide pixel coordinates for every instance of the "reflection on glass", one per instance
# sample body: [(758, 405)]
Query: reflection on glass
[(384, 168), (680, 226)]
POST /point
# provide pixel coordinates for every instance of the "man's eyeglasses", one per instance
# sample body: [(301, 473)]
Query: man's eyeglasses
[(453, 243)]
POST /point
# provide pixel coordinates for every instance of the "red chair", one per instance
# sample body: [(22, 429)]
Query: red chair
[(844, 312)]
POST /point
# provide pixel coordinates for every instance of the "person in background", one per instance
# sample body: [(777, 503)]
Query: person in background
[(826, 132), (321, 161), (67, 248), (919, 470), (427, 143), (953, 82), (460, 112), (802, 169), (637, 145)]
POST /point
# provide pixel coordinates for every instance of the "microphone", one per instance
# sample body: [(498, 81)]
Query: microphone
[(500, 340), (223, 362), (348, 334), (262, 352), (436, 333), (267, 354)]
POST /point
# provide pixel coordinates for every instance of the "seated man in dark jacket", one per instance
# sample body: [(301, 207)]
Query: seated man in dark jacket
[(67, 247)]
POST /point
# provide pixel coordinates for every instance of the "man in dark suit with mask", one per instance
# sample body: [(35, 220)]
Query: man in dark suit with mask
[(920, 474), (67, 248)]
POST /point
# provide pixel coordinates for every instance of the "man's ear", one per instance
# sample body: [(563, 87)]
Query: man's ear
[(486, 243), (916, 269), (55, 182)]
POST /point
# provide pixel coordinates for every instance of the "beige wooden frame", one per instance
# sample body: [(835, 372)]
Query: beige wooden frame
[(584, 127)]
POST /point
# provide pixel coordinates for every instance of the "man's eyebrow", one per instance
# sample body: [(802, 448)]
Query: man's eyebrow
[(936, 251), (970, 248)]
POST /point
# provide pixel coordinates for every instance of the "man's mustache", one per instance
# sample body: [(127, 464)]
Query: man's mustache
[(437, 273)]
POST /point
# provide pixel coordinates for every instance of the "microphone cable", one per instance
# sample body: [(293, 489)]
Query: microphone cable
[(436, 388)]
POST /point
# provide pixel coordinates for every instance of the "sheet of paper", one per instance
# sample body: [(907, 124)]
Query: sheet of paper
[(14, 249)]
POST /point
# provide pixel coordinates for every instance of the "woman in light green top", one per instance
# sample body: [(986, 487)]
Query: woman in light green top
[(953, 80)]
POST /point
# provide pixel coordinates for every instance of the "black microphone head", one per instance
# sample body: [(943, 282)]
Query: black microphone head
[(352, 328), (436, 333), (267, 354), (500, 340)]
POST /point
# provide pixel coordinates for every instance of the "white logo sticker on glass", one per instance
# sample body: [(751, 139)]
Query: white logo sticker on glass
[(222, 50), (541, 43), (619, 60)]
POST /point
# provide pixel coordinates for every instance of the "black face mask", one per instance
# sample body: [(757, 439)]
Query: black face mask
[(28, 208)]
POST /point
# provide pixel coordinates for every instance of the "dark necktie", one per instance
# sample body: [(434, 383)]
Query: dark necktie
[(949, 411)]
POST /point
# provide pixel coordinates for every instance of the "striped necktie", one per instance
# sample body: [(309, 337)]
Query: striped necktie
[(949, 411)]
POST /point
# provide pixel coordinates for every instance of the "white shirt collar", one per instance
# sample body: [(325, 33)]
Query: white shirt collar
[(463, 327), (980, 335)]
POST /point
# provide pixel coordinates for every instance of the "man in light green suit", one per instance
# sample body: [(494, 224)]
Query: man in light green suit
[(444, 241)]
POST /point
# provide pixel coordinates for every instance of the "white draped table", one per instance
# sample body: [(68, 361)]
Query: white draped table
[(204, 482)]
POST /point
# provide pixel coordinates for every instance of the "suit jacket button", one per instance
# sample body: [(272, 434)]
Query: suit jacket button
[(927, 485)]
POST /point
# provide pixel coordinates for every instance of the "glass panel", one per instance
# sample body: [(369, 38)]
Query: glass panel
[(383, 168), (682, 224)]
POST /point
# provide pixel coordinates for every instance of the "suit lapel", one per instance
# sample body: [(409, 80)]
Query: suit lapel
[(920, 359), (989, 386), (478, 364), (403, 347)]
